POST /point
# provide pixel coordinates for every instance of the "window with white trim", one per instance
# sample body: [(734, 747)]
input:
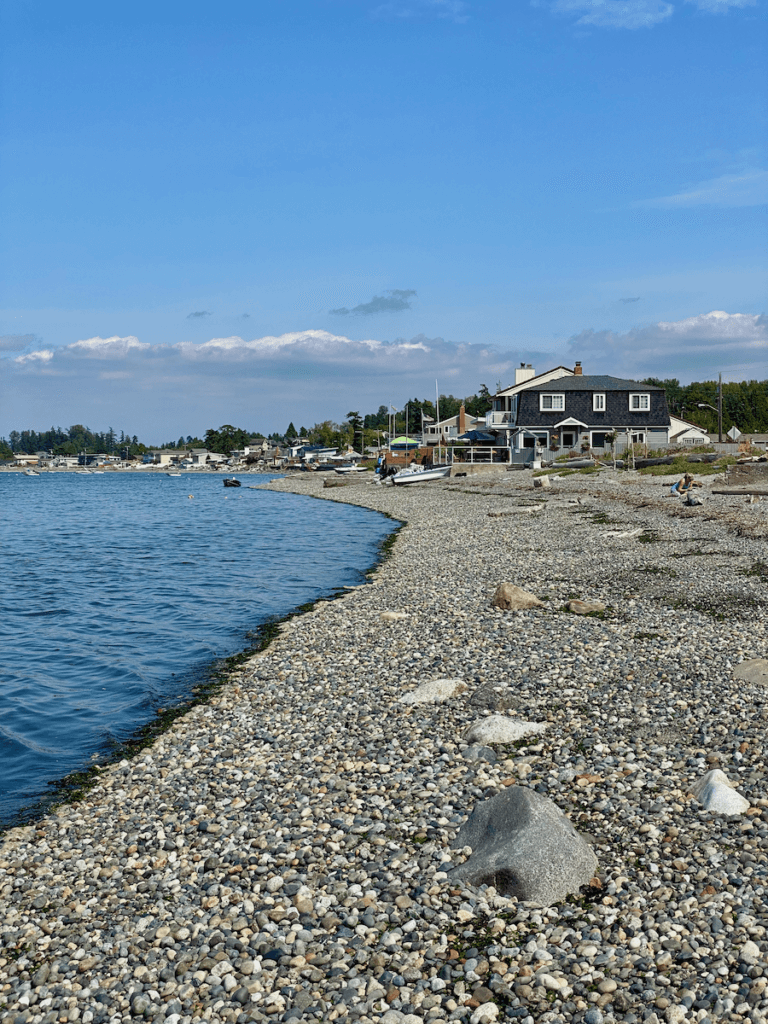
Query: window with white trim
[(598, 402), (552, 403), (639, 402)]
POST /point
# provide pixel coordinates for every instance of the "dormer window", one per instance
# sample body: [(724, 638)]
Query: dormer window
[(639, 402), (552, 403), (598, 402)]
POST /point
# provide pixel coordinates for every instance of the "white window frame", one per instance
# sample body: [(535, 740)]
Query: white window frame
[(598, 401), (556, 401), (643, 401)]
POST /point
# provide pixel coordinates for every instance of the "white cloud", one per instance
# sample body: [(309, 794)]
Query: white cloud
[(319, 343), (697, 347), (43, 355), (106, 348), (750, 188), (720, 6), (633, 14), (630, 14)]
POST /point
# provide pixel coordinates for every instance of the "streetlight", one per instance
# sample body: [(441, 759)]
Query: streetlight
[(719, 411)]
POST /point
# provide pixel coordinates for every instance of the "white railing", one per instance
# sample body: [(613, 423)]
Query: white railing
[(499, 419), (445, 455)]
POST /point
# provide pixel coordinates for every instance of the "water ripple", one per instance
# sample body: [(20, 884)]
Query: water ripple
[(124, 592)]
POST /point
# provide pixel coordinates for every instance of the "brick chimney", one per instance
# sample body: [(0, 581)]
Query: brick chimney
[(577, 370), (462, 420)]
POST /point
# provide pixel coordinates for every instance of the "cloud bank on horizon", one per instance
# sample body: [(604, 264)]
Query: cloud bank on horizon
[(314, 375)]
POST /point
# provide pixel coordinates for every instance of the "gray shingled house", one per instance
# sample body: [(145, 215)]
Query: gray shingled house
[(574, 410)]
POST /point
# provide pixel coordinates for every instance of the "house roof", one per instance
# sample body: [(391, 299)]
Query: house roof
[(524, 385), (592, 382), (680, 426)]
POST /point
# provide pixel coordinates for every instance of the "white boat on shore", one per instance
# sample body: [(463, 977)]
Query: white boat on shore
[(350, 469), (420, 475)]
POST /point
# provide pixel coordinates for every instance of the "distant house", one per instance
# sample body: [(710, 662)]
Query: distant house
[(163, 456), (94, 459), (197, 456), (683, 432), (317, 453), (567, 409), (452, 427)]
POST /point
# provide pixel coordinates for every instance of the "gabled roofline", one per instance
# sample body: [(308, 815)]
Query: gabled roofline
[(571, 422), (698, 426), (513, 390)]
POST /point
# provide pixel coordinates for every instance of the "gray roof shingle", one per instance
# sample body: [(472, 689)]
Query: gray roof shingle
[(595, 382)]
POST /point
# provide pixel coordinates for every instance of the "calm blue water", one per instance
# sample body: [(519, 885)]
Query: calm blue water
[(118, 591)]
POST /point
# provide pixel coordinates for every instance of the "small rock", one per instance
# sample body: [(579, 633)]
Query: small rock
[(675, 1014), (753, 671), (543, 482), (491, 698), (484, 1014), (477, 752), (716, 793), (501, 729), (511, 598), (434, 691), (585, 607), (750, 952)]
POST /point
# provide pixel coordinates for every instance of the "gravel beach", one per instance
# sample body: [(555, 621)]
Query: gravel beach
[(284, 852)]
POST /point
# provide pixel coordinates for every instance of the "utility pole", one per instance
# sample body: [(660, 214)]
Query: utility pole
[(720, 408)]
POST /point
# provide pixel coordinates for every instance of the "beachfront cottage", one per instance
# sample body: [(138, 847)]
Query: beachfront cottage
[(567, 410), (163, 456), (681, 432)]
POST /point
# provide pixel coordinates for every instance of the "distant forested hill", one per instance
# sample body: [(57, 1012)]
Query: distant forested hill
[(73, 441)]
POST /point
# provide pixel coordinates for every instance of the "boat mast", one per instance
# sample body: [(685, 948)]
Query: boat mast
[(437, 413)]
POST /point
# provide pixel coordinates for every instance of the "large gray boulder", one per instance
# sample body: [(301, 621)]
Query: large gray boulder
[(524, 846)]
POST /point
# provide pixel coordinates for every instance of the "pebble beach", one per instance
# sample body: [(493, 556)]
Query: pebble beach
[(284, 851)]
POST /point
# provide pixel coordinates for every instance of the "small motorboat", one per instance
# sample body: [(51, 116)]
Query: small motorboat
[(31, 472), (420, 475), (350, 469), (173, 474), (231, 482)]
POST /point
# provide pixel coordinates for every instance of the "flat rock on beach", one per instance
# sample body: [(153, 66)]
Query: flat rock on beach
[(285, 851)]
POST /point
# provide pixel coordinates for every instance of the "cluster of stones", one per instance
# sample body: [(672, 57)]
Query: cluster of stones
[(341, 833)]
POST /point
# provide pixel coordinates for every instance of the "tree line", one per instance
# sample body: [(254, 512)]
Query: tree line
[(745, 404)]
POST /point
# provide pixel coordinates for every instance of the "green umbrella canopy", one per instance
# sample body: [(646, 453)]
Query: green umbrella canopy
[(402, 441)]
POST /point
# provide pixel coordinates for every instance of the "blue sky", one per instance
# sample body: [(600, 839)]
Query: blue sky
[(258, 213)]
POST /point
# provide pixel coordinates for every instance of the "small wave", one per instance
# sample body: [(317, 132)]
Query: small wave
[(48, 611)]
